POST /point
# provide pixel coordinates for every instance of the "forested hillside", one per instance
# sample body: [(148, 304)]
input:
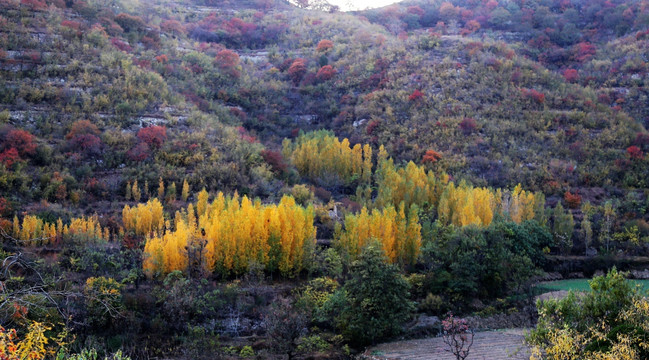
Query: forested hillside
[(220, 178)]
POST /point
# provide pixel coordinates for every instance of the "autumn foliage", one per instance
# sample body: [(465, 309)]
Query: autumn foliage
[(9, 156), (320, 154), (275, 160), (325, 73), (84, 137), (416, 95), (431, 156), (398, 231), (22, 141), (144, 219), (468, 125), (460, 205), (230, 233), (324, 45), (228, 61), (570, 75), (411, 184), (154, 135), (297, 70), (634, 152), (34, 231), (573, 201), (535, 95)]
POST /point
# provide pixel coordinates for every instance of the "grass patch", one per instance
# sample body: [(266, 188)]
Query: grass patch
[(579, 285)]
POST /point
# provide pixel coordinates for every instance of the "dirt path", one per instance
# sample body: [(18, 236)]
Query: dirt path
[(489, 345)]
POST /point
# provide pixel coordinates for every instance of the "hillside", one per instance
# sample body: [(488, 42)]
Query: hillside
[(214, 178)]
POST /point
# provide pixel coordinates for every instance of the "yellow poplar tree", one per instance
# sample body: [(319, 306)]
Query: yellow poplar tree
[(185, 191)]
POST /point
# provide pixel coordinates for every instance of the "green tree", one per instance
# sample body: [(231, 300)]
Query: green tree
[(605, 235), (375, 302), (562, 228), (609, 322)]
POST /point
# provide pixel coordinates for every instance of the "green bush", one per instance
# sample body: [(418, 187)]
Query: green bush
[(374, 302)]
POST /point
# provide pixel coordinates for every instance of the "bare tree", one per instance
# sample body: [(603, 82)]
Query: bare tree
[(284, 326), (458, 336)]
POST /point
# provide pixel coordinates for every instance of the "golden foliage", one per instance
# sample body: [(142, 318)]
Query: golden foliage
[(35, 231), (400, 235), (461, 204), (185, 190), (230, 233), (320, 154), (411, 185), (33, 346), (144, 219)]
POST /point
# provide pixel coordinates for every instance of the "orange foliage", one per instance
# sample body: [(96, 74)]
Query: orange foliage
[(573, 201), (431, 156), (324, 46)]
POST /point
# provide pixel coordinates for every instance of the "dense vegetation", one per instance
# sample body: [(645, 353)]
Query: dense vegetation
[(206, 179)]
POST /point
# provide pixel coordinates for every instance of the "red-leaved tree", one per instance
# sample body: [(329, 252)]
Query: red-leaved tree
[(324, 45), (634, 152), (275, 160), (572, 200), (297, 70), (139, 153), (9, 156), (22, 141), (570, 75), (325, 73), (228, 61), (154, 136)]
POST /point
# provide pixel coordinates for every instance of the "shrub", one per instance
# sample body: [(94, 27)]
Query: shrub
[(570, 75), (297, 70), (82, 127), (573, 201), (285, 325), (537, 96), (247, 352), (325, 73), (103, 300), (22, 141), (154, 136), (468, 125), (9, 156), (431, 156), (139, 152), (86, 143), (275, 160), (228, 61), (634, 152), (324, 46), (432, 304), (416, 95), (302, 194)]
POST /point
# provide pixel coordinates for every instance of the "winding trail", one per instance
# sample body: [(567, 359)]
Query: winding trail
[(489, 345)]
